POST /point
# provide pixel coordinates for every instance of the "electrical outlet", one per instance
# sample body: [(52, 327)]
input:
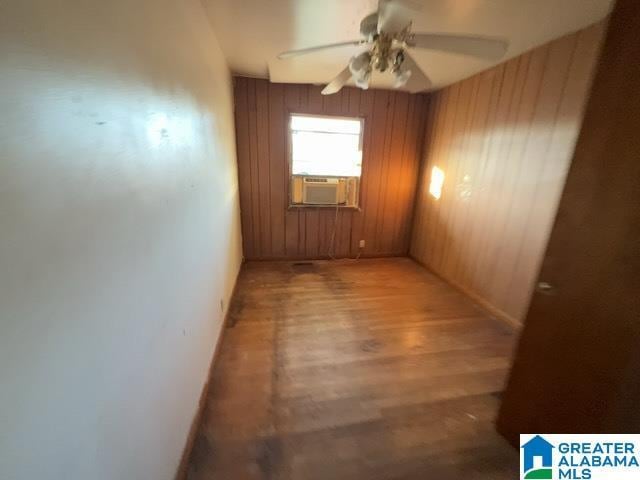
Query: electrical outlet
[(361, 243)]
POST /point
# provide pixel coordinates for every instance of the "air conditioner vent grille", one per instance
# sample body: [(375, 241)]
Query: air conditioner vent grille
[(321, 195)]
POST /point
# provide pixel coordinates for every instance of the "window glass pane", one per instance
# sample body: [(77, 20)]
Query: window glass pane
[(326, 146), (325, 124)]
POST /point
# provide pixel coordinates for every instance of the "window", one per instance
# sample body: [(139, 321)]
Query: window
[(325, 151), (326, 146)]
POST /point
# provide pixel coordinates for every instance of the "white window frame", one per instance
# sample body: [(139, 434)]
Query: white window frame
[(362, 121)]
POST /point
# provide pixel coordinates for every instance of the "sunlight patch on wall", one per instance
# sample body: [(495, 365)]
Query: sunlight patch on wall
[(437, 180)]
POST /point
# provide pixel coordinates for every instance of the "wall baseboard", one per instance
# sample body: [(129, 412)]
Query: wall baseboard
[(183, 468), (297, 258), (484, 304)]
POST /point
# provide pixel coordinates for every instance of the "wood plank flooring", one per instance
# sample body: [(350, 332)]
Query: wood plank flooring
[(367, 369)]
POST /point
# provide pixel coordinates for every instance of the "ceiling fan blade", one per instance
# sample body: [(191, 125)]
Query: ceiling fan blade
[(418, 81), (395, 15), (303, 51), (483, 47), (337, 83)]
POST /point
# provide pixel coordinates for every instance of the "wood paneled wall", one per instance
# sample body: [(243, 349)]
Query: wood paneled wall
[(393, 135), (576, 367), (504, 139)]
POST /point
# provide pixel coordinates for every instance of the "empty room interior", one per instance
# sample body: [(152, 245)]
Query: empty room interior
[(301, 240)]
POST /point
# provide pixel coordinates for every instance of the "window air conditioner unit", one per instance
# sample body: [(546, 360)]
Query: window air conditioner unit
[(327, 191), (323, 191), (318, 190)]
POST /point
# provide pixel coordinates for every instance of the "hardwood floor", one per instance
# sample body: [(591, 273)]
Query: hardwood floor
[(368, 369)]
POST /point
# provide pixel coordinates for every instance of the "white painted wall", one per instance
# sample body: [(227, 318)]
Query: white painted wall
[(119, 233)]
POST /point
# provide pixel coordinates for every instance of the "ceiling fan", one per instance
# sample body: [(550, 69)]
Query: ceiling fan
[(388, 36)]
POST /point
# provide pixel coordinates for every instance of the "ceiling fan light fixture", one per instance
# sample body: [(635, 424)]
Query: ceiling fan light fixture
[(362, 82), (360, 64), (360, 67), (401, 78)]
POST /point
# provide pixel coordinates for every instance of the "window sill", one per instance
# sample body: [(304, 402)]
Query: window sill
[(295, 206)]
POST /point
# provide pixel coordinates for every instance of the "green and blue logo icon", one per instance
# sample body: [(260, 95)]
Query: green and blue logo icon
[(537, 459)]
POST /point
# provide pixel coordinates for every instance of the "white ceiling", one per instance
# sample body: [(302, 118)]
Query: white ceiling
[(253, 32)]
